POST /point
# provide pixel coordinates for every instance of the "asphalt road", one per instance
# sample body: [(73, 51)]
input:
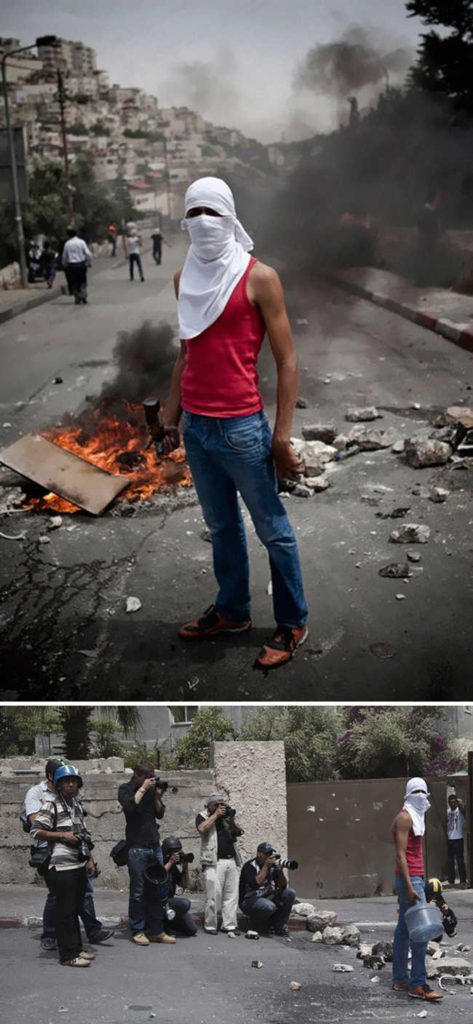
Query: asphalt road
[(209, 978), (65, 633)]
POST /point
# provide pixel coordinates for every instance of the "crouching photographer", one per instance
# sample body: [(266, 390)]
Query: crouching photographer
[(60, 822), (265, 897), (177, 916)]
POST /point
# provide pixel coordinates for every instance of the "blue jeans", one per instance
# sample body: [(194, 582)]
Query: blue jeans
[(145, 911), (401, 938), (133, 258), (264, 913), (87, 913), (230, 455)]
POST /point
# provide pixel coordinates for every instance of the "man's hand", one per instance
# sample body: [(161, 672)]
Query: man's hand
[(171, 440), (91, 867), (288, 464), (70, 837), (220, 811), (412, 895), (148, 784)]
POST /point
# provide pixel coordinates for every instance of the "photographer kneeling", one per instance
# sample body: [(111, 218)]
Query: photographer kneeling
[(219, 859), (265, 897), (60, 822), (177, 916)]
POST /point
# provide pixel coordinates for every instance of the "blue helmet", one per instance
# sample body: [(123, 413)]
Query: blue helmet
[(65, 771)]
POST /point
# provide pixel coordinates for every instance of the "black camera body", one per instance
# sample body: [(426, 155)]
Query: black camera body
[(186, 858), (85, 845), (160, 783), (229, 811)]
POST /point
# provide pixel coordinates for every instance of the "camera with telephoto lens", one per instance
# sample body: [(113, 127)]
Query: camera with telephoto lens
[(186, 858), (291, 865), (160, 783), (229, 811), (85, 845)]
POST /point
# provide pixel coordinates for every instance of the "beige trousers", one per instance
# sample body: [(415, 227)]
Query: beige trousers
[(221, 887)]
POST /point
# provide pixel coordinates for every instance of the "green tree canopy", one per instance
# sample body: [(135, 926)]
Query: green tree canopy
[(193, 749), (383, 742), (310, 737), (445, 60)]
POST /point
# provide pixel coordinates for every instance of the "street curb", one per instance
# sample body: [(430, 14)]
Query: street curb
[(24, 304), (460, 334), (296, 924)]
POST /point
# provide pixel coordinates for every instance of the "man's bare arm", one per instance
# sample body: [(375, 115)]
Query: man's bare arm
[(265, 289)]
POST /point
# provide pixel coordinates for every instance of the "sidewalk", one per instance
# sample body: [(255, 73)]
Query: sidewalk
[(446, 312)]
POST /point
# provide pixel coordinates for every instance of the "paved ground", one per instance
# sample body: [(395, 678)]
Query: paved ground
[(211, 979), (65, 634)]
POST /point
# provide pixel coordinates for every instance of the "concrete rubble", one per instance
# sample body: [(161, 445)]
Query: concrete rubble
[(421, 452), (410, 533), (360, 415)]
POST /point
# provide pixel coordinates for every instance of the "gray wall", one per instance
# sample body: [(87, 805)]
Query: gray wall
[(341, 834)]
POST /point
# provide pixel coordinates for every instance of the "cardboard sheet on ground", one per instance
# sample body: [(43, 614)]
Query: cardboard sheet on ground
[(58, 470)]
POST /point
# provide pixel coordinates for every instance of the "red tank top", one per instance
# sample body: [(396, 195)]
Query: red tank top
[(414, 855), (220, 376)]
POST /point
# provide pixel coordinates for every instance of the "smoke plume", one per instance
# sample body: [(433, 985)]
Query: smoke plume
[(352, 62)]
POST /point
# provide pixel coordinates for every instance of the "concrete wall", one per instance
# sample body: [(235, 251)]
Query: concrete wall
[(241, 771), (256, 774), (341, 834)]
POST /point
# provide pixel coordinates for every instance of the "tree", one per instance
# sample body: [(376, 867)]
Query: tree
[(19, 727), (445, 61), (193, 749), (310, 737), (77, 725), (386, 742)]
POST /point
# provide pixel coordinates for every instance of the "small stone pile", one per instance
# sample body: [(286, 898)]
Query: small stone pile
[(323, 925)]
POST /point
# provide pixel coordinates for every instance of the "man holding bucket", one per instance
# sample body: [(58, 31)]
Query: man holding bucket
[(408, 828)]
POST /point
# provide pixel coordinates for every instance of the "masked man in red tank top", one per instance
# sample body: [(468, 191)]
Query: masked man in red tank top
[(408, 828), (227, 302)]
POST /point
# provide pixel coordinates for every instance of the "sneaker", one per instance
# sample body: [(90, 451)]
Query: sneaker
[(48, 943), (424, 992), (231, 932), (86, 956), (400, 986), (282, 931), (102, 935), (168, 939), (211, 623), (77, 961), (281, 647), (210, 931), (140, 939)]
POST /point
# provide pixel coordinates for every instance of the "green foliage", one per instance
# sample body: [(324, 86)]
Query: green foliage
[(193, 749), (139, 752), (20, 725), (100, 128), (445, 60), (106, 740), (310, 737), (387, 742)]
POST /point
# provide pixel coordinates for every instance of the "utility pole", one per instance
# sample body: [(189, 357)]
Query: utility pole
[(62, 105)]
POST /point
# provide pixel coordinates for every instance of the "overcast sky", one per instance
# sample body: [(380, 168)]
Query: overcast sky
[(234, 60)]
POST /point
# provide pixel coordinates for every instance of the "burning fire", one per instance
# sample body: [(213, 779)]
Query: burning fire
[(115, 437)]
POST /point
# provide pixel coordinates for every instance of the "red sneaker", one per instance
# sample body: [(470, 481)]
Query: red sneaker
[(210, 624), (400, 986), (281, 647)]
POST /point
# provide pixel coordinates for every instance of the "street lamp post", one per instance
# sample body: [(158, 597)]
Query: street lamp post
[(42, 41)]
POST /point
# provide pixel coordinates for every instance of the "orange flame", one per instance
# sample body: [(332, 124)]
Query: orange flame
[(118, 442)]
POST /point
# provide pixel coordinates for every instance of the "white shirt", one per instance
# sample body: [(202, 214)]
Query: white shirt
[(35, 796), (133, 244), (76, 251), (454, 823)]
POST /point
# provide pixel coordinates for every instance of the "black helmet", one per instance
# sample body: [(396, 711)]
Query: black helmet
[(171, 845), (52, 765)]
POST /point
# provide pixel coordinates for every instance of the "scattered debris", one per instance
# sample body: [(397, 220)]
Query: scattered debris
[(43, 539), (133, 604), (351, 935), (352, 449), (15, 536), (383, 650), (302, 322), (384, 949), (301, 403), (301, 908), (375, 979), (317, 937), (325, 432), (413, 556), (332, 936), (463, 948), (343, 968), (422, 451), (395, 571), (250, 934), (439, 494), (55, 522), (400, 597), (371, 440), (295, 985), (397, 513), (423, 1013), (398, 447), (361, 415), (319, 920), (257, 963), (411, 533), (460, 414), (374, 962), (57, 380)]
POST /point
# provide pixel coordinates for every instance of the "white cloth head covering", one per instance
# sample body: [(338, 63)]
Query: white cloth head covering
[(217, 258), (417, 804)]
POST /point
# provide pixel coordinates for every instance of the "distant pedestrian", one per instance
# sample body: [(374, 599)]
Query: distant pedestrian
[(455, 842), (133, 245), (157, 239), (76, 258), (112, 237), (48, 263)]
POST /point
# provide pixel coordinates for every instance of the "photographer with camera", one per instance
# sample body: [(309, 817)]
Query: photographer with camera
[(60, 822), (141, 802), (34, 799), (177, 913), (265, 897), (219, 859)]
